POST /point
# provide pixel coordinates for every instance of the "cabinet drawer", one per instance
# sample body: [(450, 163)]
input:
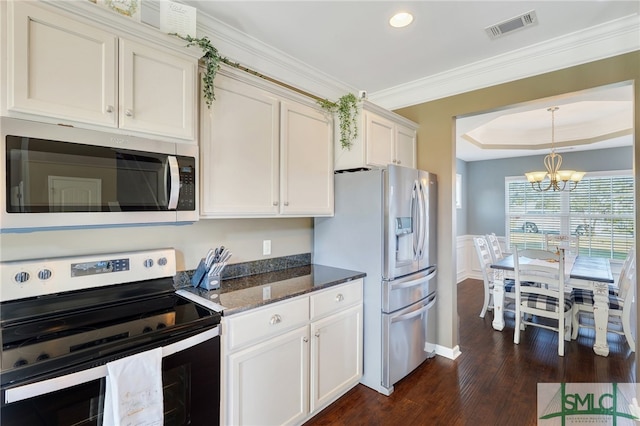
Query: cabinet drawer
[(262, 323), (335, 299)]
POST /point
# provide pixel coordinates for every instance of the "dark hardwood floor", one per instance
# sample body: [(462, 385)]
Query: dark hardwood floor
[(493, 381)]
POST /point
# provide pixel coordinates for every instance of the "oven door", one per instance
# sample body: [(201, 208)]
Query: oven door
[(191, 388)]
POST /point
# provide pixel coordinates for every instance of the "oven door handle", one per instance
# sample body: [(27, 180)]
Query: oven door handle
[(32, 390)]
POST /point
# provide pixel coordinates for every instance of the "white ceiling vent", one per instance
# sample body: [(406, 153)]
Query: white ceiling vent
[(513, 24)]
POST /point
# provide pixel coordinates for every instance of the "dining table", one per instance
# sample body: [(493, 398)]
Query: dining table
[(585, 272)]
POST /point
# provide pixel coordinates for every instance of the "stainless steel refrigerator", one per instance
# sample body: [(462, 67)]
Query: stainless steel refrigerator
[(384, 225)]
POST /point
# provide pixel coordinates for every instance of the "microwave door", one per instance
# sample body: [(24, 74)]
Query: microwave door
[(68, 177), (140, 182)]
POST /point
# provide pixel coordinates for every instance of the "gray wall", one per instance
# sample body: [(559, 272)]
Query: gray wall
[(483, 183), (461, 214)]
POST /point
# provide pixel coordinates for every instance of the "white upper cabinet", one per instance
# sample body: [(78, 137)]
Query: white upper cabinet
[(379, 140), (306, 159), (263, 152), (239, 151), (65, 69), (405, 146), (60, 67), (383, 138), (157, 91)]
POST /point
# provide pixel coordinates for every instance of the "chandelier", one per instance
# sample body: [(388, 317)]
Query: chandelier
[(559, 180)]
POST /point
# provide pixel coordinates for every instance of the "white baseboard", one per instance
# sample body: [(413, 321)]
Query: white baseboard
[(451, 353)]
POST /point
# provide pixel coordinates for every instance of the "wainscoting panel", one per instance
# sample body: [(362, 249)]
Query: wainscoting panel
[(468, 265)]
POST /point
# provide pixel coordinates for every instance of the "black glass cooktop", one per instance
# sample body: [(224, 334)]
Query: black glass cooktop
[(44, 335)]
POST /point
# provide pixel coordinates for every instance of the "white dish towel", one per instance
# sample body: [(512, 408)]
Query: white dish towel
[(133, 395)]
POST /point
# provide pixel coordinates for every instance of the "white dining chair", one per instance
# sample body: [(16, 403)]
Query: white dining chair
[(621, 305), (548, 300), (488, 274), (484, 256), (570, 243), (494, 246)]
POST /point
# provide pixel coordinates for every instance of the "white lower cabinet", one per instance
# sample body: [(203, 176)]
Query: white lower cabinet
[(269, 381), (336, 356), (286, 361)]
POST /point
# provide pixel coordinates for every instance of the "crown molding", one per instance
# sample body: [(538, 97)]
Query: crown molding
[(258, 56), (599, 42), (121, 25)]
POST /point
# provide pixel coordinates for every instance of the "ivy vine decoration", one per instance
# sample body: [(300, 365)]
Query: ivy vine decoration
[(211, 60), (347, 109)]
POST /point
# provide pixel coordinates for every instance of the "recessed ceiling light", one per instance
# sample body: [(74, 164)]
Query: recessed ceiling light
[(401, 19)]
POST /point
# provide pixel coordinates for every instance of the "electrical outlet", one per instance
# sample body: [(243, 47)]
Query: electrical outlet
[(266, 247), (266, 293)]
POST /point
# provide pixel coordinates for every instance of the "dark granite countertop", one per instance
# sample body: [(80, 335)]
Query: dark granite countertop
[(240, 294)]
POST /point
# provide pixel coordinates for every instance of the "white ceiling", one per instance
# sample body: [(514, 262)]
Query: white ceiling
[(593, 119), (352, 42)]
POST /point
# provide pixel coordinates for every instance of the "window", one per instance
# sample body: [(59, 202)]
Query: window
[(600, 211)]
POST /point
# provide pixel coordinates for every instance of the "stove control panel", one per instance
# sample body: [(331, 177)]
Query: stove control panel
[(38, 277)]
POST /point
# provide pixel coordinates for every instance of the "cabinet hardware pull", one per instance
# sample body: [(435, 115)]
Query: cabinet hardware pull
[(128, 113), (286, 203), (275, 203), (109, 109), (275, 319), (317, 334), (339, 297), (304, 339)]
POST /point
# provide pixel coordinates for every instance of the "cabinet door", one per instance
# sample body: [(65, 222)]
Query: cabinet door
[(307, 160), (240, 151), (157, 91), (60, 67), (336, 356), (268, 383), (379, 139), (405, 146)]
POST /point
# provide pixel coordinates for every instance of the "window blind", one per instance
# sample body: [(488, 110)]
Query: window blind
[(600, 211)]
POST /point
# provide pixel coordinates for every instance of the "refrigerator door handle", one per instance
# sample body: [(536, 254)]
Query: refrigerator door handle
[(415, 208), (411, 283), (415, 313), (419, 226), (423, 217)]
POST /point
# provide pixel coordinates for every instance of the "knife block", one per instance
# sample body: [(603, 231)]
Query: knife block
[(199, 274), (211, 282)]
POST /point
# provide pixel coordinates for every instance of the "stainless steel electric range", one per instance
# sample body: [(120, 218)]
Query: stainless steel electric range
[(63, 319)]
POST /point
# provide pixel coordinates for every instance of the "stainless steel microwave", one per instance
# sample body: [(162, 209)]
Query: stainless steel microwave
[(60, 176)]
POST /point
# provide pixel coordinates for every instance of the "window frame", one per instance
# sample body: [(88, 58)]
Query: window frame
[(559, 218)]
